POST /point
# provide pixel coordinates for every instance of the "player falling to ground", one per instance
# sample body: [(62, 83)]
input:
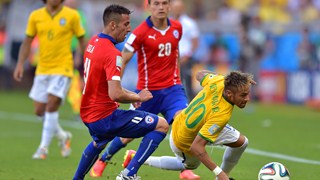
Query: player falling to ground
[(205, 121), (54, 25), (102, 92), (156, 41)]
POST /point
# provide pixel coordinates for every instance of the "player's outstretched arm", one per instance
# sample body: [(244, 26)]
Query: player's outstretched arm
[(198, 149), (126, 57), (23, 55)]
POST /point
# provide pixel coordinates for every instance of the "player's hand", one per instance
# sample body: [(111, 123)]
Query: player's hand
[(18, 73), (222, 176), (136, 104), (145, 95)]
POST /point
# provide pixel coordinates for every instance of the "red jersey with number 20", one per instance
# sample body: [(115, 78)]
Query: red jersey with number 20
[(102, 63), (158, 54)]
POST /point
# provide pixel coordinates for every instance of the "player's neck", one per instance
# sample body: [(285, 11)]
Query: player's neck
[(160, 24), (54, 9)]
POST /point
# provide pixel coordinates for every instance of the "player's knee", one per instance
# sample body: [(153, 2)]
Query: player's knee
[(39, 112), (191, 166), (162, 125), (243, 142), (126, 140)]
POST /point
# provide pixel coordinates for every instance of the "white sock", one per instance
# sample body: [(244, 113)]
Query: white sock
[(165, 162), (49, 128), (231, 157), (60, 133)]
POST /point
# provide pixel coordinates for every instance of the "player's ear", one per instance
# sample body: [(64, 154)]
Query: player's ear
[(228, 93), (112, 25)]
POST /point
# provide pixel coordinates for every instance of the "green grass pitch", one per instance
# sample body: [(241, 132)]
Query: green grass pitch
[(285, 133)]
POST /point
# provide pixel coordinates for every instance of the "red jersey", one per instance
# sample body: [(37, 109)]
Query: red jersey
[(158, 54), (102, 63)]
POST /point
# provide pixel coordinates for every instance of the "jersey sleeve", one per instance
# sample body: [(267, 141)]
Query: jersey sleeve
[(77, 25), (113, 67), (31, 29), (212, 128), (210, 78), (133, 42)]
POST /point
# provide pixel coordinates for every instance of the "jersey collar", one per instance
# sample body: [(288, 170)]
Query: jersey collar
[(101, 35), (150, 24)]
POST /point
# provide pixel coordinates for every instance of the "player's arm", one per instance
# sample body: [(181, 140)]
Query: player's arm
[(198, 149), (121, 95), (201, 74), (126, 57), (24, 52), (82, 43)]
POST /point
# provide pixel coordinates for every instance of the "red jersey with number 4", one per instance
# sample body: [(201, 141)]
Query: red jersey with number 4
[(158, 54), (102, 63)]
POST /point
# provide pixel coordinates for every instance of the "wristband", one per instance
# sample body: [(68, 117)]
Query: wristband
[(217, 170)]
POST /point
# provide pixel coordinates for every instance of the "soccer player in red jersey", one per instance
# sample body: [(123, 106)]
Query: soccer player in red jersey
[(102, 92), (156, 41)]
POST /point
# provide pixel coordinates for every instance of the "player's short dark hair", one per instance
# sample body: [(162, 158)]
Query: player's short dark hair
[(149, 1), (113, 13), (236, 79), (45, 1)]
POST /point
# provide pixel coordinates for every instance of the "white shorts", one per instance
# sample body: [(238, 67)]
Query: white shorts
[(43, 85), (227, 135)]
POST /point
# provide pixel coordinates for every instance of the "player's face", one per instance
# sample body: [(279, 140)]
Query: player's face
[(241, 97), (123, 28), (159, 8)]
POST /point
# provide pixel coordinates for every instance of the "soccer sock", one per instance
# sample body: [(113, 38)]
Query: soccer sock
[(148, 145), (231, 157), (112, 149), (60, 133), (165, 162), (89, 156), (49, 128)]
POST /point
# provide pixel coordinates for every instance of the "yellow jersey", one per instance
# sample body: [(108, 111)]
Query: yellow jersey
[(55, 34), (206, 115)]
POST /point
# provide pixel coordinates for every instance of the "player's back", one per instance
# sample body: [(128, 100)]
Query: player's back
[(99, 57), (206, 114)]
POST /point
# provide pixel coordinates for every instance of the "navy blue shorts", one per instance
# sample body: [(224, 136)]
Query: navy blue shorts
[(122, 123), (166, 101)]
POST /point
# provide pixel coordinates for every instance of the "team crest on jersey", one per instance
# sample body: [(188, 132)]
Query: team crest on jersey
[(176, 34), (62, 21), (149, 120)]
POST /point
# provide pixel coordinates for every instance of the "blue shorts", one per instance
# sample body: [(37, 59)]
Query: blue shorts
[(166, 101), (122, 123)]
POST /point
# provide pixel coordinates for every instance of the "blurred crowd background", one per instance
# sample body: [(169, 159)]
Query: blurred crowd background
[(276, 40)]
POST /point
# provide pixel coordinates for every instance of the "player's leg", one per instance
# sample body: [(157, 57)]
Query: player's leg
[(42, 151), (181, 162), (153, 129), (236, 144), (151, 106), (99, 132), (116, 144), (40, 97), (57, 92), (174, 102)]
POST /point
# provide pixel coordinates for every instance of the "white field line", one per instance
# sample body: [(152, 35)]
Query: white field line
[(78, 125)]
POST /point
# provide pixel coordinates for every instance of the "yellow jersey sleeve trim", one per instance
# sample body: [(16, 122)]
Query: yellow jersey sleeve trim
[(203, 79), (207, 139)]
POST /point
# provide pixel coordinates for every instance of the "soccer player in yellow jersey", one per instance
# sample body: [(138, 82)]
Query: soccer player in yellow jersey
[(54, 25), (205, 121)]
